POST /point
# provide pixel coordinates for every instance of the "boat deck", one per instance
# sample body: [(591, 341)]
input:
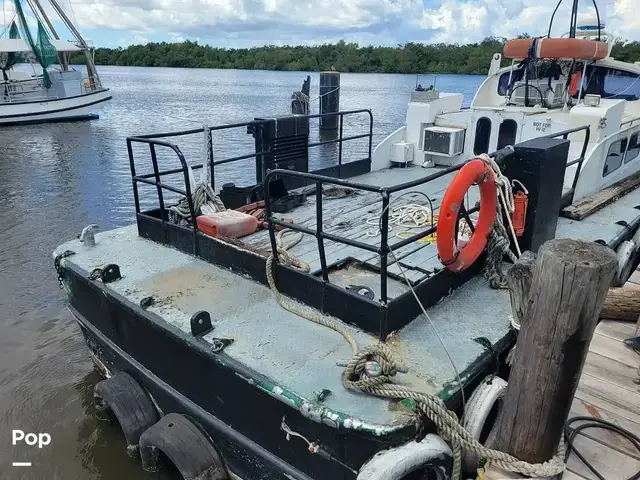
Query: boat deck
[(356, 217), (298, 356), (608, 390)]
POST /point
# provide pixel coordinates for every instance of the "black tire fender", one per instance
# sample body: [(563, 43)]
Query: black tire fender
[(130, 404), (185, 445)]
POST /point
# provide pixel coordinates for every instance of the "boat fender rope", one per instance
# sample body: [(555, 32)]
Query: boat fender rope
[(444, 419)]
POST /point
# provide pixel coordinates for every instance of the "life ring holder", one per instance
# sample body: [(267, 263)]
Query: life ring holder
[(474, 172)]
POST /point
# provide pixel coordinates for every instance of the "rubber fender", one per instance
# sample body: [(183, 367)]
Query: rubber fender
[(130, 404), (490, 391), (432, 453), (185, 445), (625, 253)]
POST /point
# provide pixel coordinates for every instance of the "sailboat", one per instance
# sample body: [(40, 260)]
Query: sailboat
[(61, 92)]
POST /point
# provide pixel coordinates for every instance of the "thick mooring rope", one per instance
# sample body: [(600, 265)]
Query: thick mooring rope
[(204, 200), (498, 244), (355, 378), (446, 421), (285, 258)]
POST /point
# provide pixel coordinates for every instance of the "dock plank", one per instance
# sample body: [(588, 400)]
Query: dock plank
[(581, 408), (611, 371), (614, 349), (609, 462), (616, 330)]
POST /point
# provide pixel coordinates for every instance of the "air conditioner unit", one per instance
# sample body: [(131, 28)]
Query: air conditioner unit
[(443, 141)]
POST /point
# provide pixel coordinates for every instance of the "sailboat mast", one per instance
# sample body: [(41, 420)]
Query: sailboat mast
[(63, 56), (91, 68)]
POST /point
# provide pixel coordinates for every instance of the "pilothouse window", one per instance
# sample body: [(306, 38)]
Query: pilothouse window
[(611, 83), (507, 133), (614, 156), (633, 149), (483, 135)]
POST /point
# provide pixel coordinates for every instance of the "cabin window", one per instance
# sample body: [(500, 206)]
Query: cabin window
[(633, 149), (611, 83), (614, 156), (507, 133), (503, 81), (483, 135)]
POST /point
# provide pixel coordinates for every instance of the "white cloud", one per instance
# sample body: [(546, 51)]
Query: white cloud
[(259, 22)]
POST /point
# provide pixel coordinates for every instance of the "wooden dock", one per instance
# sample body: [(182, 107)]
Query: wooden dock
[(608, 391)]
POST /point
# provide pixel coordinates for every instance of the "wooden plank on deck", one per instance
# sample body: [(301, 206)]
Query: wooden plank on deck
[(591, 204)]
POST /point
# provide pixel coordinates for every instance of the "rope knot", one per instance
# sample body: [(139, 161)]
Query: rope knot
[(371, 366)]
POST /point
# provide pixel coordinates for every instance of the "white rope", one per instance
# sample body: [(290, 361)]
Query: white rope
[(412, 215), (505, 195)]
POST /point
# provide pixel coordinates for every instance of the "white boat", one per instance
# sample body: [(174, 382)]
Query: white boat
[(60, 92), (538, 95)]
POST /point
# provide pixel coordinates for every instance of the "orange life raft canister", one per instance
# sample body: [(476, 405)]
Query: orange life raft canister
[(474, 172)]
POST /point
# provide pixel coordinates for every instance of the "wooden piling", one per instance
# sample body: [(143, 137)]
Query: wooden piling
[(329, 99), (569, 284)]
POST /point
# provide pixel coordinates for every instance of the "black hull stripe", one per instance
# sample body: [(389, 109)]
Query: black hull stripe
[(61, 99), (48, 112)]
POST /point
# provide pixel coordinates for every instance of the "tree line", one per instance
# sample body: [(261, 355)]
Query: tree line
[(342, 56)]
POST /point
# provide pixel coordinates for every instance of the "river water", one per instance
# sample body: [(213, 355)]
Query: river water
[(57, 178)]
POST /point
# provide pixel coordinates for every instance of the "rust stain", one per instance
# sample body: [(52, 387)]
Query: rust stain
[(593, 411)]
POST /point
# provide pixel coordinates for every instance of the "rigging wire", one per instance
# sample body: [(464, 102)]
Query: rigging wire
[(552, 17)]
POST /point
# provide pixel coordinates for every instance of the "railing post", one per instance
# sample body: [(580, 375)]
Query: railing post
[(156, 174), (210, 158), (341, 120), (384, 246), (323, 258), (270, 224), (370, 132), (132, 165)]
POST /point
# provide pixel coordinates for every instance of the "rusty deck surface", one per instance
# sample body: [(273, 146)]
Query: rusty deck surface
[(608, 390)]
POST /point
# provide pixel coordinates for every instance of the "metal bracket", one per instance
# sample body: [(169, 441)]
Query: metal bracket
[(361, 290), (110, 273), (88, 235), (220, 344), (201, 323), (146, 302)]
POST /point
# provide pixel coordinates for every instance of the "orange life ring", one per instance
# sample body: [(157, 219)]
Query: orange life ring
[(474, 172)]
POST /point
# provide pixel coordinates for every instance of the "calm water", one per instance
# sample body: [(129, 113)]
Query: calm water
[(57, 178)]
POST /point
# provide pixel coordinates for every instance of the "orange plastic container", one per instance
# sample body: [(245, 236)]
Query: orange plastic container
[(230, 223)]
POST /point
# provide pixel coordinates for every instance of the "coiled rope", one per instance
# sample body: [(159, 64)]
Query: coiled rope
[(204, 200), (355, 378), (498, 244)]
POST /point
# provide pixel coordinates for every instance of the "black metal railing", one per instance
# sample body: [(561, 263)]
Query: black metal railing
[(262, 152), (382, 249), (567, 198), (341, 139)]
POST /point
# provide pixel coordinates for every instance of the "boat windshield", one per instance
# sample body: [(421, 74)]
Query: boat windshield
[(611, 83)]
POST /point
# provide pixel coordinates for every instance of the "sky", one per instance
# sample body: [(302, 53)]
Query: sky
[(245, 23)]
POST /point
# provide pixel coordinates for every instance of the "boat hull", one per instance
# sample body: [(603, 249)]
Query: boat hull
[(82, 107), (183, 376)]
